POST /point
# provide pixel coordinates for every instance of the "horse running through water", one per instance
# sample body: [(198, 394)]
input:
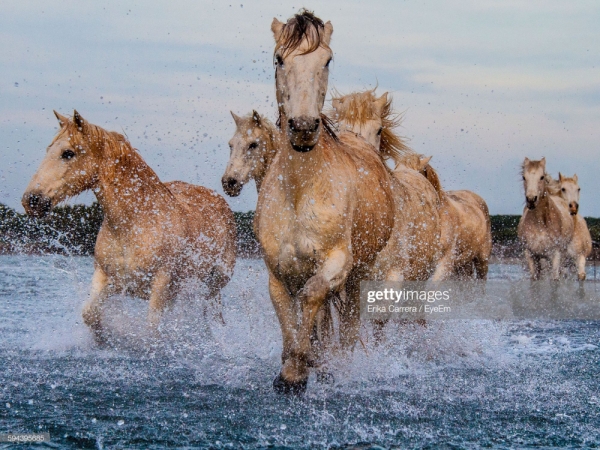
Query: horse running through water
[(546, 227), (466, 235), (253, 148), (580, 246), (153, 236), (413, 249), (325, 208)]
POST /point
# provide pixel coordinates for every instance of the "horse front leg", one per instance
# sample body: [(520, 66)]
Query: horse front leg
[(284, 308), (161, 295), (93, 307), (532, 264), (580, 263), (331, 275), (556, 260)]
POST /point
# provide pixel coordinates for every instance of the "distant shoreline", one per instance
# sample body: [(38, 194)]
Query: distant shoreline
[(72, 230)]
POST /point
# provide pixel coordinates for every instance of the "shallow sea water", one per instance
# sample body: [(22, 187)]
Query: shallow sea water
[(453, 384)]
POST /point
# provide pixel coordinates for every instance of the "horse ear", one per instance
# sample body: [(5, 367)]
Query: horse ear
[(424, 161), (276, 28), (543, 161), (381, 101), (526, 161), (79, 121), (237, 119), (327, 32), (62, 120), (575, 179), (256, 118), (560, 177)]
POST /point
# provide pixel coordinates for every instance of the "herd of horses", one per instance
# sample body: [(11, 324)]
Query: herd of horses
[(341, 199)]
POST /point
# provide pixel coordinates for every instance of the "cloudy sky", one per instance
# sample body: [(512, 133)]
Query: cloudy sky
[(482, 83)]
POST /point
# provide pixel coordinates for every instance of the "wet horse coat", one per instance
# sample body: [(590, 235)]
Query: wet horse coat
[(153, 236)]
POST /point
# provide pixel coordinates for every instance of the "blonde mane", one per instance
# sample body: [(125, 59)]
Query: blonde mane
[(552, 185), (111, 147), (303, 26), (359, 107)]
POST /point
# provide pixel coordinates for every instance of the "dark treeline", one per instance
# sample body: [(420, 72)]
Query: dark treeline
[(73, 229)]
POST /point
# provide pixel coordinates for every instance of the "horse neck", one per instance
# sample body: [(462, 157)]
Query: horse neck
[(296, 167), (128, 188), (271, 151), (544, 209)]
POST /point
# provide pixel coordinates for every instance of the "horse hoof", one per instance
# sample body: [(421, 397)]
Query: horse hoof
[(282, 386), (325, 378)]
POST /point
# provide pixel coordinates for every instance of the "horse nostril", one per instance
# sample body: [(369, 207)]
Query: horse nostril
[(315, 125), (34, 201)]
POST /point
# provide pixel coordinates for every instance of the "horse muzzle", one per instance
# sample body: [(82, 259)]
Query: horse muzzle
[(231, 186), (36, 205), (531, 202), (303, 133), (573, 208)]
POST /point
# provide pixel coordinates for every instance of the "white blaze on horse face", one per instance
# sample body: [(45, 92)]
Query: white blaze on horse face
[(301, 85), (569, 191), (248, 156), (65, 171), (534, 181)]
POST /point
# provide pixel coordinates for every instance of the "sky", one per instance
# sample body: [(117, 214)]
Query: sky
[(482, 83)]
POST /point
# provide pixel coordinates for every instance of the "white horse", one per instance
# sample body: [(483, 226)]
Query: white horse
[(580, 246), (546, 227)]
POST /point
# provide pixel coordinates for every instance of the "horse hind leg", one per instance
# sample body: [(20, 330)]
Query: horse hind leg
[(321, 340), (216, 281), (481, 268)]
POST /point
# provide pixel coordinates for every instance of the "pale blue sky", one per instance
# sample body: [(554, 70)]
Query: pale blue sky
[(483, 83)]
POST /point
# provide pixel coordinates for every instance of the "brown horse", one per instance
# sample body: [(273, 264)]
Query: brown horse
[(466, 235), (325, 208), (153, 236), (546, 227), (413, 249), (580, 246)]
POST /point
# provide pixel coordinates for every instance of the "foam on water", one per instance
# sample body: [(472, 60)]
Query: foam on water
[(456, 382)]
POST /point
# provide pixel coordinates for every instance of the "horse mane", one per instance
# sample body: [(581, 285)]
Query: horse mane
[(113, 147), (432, 176), (302, 26), (413, 161), (552, 185), (359, 107)]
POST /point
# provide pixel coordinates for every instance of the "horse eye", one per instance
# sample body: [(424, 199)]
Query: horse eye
[(68, 154), (564, 190), (253, 146), (328, 61), (279, 60), (579, 190), (523, 177), (379, 131), (542, 177)]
